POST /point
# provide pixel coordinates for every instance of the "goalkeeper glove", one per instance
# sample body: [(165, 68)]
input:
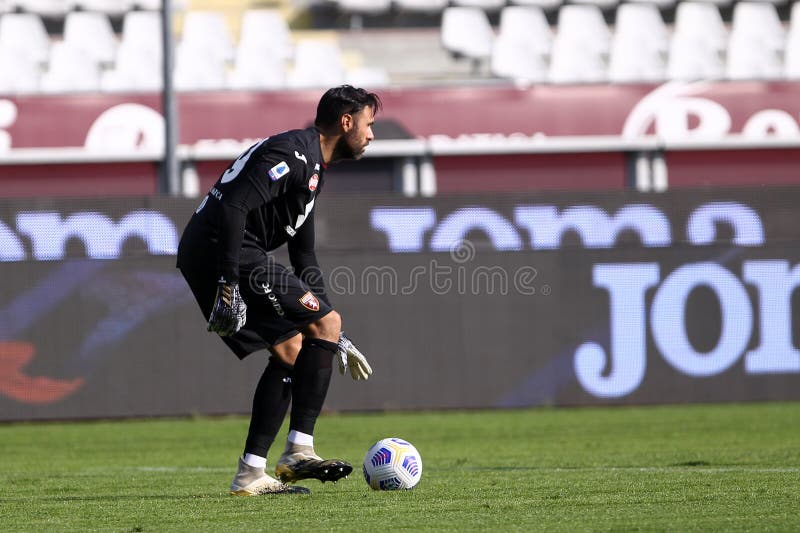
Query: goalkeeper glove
[(350, 357), (229, 312)]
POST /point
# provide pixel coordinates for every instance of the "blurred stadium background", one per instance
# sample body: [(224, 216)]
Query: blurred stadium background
[(568, 202)]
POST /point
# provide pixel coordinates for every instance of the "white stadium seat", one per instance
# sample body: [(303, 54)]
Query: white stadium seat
[(759, 23), (371, 77), (91, 33), (527, 26), (756, 45), (701, 22), (791, 58), (512, 60), (137, 68), (197, 72), (207, 31), (371, 7), (605, 5), (630, 63), (486, 5), (112, 8), (45, 8), (254, 70), (693, 58), (70, 70), (317, 63), (25, 32), (18, 73), (421, 6), (641, 25), (547, 5), (466, 32), (266, 31), (574, 61), (583, 24), (522, 45), (143, 29)]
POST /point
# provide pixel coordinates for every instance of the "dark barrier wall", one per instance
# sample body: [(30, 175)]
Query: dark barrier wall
[(458, 301)]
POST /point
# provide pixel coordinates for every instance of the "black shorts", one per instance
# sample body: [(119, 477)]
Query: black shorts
[(279, 304)]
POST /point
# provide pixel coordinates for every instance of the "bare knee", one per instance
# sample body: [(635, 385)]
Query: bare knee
[(287, 350), (326, 328)]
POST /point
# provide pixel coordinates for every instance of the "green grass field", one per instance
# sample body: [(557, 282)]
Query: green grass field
[(701, 468)]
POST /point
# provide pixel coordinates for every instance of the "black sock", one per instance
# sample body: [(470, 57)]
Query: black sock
[(310, 379), (270, 403)]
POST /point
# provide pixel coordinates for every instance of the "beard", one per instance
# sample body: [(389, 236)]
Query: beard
[(344, 148)]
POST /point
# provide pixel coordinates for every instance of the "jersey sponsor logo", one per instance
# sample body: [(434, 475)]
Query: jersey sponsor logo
[(313, 182), (310, 301), (278, 171), (301, 157)]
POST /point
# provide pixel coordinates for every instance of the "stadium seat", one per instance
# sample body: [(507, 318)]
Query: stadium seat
[(547, 5), (748, 62), (45, 8), (759, 23), (19, 73), (583, 24), (522, 45), (633, 62), (575, 61), (371, 77), (143, 29), (266, 31), (663, 5), (206, 32), (70, 70), (526, 25), (466, 32), (605, 5), (317, 64), (641, 25), (794, 17), (421, 6), (756, 44), (700, 21), (371, 7), (513, 60), (92, 34), (692, 58), (195, 71), (25, 33), (137, 68), (112, 8), (791, 61), (254, 70), (486, 5)]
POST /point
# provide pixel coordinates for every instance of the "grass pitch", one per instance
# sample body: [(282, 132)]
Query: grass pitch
[(703, 468)]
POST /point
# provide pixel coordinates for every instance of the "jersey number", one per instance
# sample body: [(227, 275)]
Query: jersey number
[(238, 165)]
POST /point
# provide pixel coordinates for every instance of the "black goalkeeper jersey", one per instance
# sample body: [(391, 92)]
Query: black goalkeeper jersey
[(264, 199)]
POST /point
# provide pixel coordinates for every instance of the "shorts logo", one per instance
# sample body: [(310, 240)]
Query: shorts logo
[(313, 182), (278, 171), (310, 301)]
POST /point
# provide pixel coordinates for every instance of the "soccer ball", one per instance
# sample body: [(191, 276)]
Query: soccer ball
[(392, 464)]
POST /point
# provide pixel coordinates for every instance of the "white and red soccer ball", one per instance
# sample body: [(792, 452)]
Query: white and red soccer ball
[(392, 464)]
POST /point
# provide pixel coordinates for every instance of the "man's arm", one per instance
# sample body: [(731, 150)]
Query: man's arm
[(304, 259)]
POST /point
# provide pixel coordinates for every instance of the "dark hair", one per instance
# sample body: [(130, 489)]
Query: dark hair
[(342, 100)]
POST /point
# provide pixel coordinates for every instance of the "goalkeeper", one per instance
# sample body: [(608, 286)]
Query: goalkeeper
[(263, 200)]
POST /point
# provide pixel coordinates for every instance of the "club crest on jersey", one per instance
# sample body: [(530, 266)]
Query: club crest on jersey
[(278, 171), (313, 182), (310, 301)]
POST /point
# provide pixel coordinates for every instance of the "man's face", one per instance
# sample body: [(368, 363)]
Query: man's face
[(358, 134)]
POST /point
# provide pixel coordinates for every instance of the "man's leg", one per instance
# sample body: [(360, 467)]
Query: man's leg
[(270, 403), (310, 380)]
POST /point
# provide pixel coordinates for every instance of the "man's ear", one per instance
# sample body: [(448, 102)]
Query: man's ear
[(347, 122)]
